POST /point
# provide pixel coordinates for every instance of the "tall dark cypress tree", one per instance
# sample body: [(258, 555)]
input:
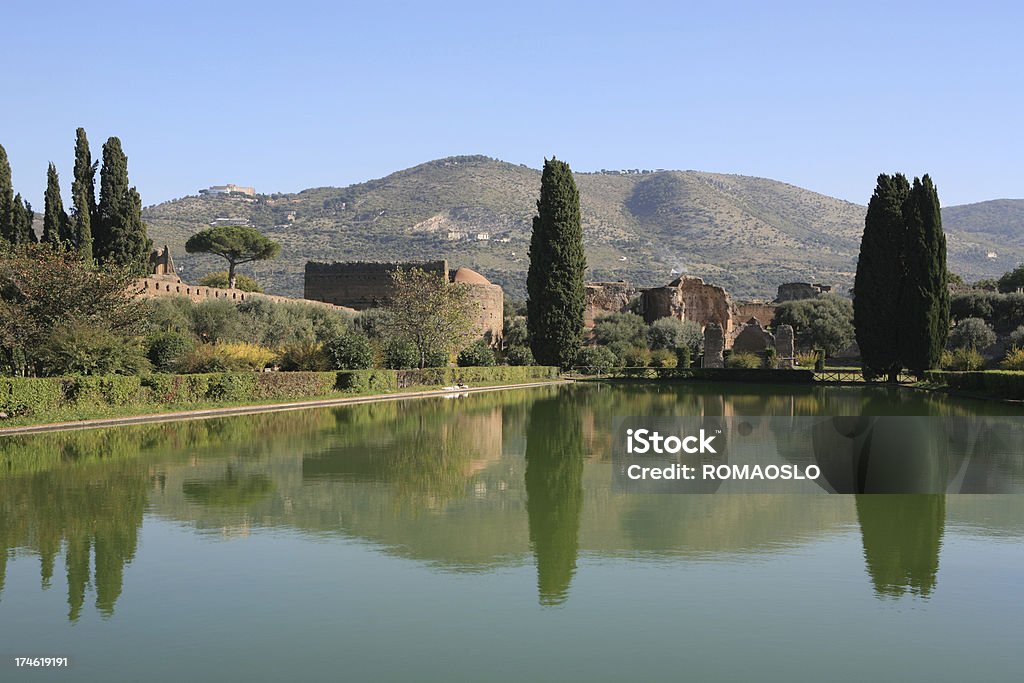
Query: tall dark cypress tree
[(22, 218), (120, 236), (6, 199), (558, 263), (56, 228), (924, 297), (876, 314), (83, 196)]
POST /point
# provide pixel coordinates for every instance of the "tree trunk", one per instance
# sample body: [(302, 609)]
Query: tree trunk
[(231, 274)]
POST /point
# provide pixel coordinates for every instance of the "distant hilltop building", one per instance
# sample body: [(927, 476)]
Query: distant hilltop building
[(229, 189), (369, 285)]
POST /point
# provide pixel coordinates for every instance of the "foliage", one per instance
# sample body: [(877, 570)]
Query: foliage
[(119, 235), (635, 357), (226, 357), (234, 243), (166, 349), (825, 322), (878, 280), (1012, 280), (7, 233), (962, 358), (806, 359), (84, 348), (400, 354), (620, 329), (743, 361), (1007, 384), (515, 332), (972, 333), (684, 358), (43, 291), (519, 355), (169, 314), (56, 227), (1015, 340), (662, 358), (304, 355), (216, 320), (221, 280), (1014, 359), (923, 296), (350, 351), (671, 333), (430, 312), (596, 360), (477, 354), (555, 280), (83, 197)]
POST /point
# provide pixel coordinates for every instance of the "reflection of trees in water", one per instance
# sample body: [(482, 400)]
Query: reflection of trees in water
[(230, 490), (93, 512), (554, 495), (902, 536)]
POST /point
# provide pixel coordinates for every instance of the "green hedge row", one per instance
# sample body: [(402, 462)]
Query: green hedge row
[(997, 383), (33, 396), (392, 380)]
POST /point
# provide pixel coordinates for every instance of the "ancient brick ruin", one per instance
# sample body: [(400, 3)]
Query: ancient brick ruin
[(363, 285), (603, 298)]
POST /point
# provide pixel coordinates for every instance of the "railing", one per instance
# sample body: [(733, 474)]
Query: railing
[(836, 376)]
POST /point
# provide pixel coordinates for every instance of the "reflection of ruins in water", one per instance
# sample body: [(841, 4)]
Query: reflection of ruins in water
[(465, 486)]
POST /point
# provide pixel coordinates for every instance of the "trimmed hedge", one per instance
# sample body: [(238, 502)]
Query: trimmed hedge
[(998, 383), (34, 396)]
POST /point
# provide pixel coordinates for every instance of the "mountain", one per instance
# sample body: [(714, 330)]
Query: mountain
[(747, 234)]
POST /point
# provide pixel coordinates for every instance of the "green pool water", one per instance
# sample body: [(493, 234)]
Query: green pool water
[(480, 538)]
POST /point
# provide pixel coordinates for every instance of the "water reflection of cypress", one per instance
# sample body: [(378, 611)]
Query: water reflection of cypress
[(94, 512), (554, 490), (902, 536)]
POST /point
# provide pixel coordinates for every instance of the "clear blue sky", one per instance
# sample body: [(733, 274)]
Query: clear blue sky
[(289, 95)]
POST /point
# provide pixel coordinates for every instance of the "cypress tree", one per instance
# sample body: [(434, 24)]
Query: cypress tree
[(6, 199), (924, 297), (554, 283), (876, 315), (56, 228), (83, 196), (119, 234), (22, 218)]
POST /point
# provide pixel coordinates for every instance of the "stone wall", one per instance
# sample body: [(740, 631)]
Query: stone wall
[(358, 285), (170, 285), (794, 291), (763, 313), (603, 298), (689, 298)]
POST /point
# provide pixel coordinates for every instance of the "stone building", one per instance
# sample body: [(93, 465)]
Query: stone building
[(689, 298), (363, 285), (794, 291)]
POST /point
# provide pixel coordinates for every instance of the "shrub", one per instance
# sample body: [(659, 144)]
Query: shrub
[(245, 356), (230, 386), (477, 354), (1016, 338), (219, 279), (972, 333), (1014, 359), (621, 328), (169, 314), (636, 357), (962, 359), (770, 358), (519, 355), (303, 356), (595, 360), (400, 355), (215, 320), (31, 396), (743, 361), (360, 381), (671, 333), (515, 332), (683, 357), (294, 384), (350, 351), (85, 349), (166, 349), (806, 359), (662, 358), (825, 322)]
